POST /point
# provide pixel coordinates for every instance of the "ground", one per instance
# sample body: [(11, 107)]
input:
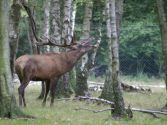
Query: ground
[(63, 112)]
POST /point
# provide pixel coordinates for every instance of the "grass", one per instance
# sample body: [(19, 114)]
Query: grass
[(139, 79), (142, 79), (63, 112)]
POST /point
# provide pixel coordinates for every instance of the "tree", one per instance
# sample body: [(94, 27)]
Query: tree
[(14, 16), (64, 87), (46, 29), (55, 21), (163, 29), (82, 67), (112, 88), (8, 107), (107, 92), (119, 109)]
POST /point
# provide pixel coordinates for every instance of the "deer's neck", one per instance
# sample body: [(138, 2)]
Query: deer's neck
[(73, 56)]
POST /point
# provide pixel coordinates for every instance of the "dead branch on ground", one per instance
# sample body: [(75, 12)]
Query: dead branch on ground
[(147, 111), (94, 99)]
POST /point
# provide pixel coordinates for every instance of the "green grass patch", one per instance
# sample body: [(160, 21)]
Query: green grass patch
[(64, 113)]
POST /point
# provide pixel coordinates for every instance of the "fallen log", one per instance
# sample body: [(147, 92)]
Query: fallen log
[(151, 112), (148, 111), (132, 88)]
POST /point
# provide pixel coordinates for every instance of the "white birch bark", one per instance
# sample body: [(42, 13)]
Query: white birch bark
[(119, 108), (55, 22), (86, 30), (73, 15), (46, 26), (66, 22), (107, 92)]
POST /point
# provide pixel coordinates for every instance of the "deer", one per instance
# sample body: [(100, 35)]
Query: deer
[(48, 67)]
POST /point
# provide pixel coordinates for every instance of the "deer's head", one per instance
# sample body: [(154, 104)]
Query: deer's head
[(84, 45)]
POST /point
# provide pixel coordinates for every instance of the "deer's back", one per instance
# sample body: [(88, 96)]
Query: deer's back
[(39, 66)]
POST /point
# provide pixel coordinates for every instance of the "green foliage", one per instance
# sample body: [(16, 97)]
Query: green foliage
[(140, 43), (140, 38)]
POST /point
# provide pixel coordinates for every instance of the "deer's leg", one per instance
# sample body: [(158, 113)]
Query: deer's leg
[(21, 92), (47, 84), (53, 89), (20, 96)]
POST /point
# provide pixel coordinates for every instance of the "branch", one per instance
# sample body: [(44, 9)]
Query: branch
[(151, 112), (96, 99), (148, 111), (31, 19)]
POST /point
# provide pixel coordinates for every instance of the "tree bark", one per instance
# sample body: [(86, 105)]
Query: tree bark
[(163, 29), (8, 107), (31, 29), (82, 66), (64, 87), (14, 18), (46, 28), (66, 22), (55, 22), (107, 92), (119, 109)]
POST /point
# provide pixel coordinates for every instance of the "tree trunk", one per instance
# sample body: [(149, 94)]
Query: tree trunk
[(82, 66), (73, 15), (8, 107), (46, 28), (55, 22), (107, 92), (119, 109), (14, 18), (163, 29), (66, 22), (64, 87)]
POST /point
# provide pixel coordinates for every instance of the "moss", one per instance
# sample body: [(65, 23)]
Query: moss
[(81, 82), (107, 92)]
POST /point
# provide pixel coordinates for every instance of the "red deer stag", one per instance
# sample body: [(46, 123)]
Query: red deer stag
[(48, 67)]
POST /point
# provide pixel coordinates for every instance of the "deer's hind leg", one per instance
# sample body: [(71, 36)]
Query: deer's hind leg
[(21, 89), (47, 84)]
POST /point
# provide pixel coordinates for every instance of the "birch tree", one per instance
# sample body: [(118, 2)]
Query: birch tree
[(119, 109), (8, 107), (107, 92), (46, 22), (55, 22), (163, 28), (82, 69), (46, 29), (64, 87)]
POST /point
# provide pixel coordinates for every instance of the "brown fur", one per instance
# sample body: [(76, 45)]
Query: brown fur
[(47, 67)]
